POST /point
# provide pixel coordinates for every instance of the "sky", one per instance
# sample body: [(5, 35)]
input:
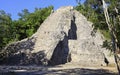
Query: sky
[(15, 6)]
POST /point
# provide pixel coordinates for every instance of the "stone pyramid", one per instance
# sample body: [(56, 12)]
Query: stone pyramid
[(65, 36)]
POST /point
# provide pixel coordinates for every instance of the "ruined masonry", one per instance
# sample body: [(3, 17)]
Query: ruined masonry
[(65, 36)]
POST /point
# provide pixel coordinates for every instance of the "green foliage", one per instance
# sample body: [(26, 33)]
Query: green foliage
[(5, 28), (107, 45), (106, 34)]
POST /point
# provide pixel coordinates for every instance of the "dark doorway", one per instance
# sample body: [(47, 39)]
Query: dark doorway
[(60, 53)]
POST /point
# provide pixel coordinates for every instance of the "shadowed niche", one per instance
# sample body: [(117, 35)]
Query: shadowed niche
[(72, 32)]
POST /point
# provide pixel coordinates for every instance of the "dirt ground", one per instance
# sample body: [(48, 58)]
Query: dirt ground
[(66, 69)]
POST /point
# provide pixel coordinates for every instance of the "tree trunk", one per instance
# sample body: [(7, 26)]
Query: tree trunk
[(112, 33)]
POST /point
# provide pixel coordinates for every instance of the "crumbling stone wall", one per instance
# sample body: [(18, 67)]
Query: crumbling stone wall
[(65, 36)]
